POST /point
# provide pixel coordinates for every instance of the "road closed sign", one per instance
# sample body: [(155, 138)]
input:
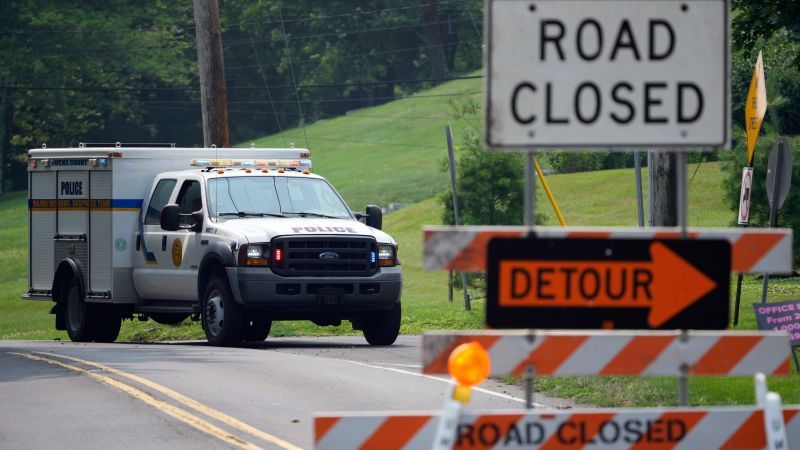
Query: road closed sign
[(607, 283), (607, 73)]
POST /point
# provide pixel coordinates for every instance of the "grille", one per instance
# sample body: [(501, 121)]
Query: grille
[(301, 256)]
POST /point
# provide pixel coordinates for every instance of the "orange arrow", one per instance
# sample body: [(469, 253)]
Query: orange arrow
[(666, 285)]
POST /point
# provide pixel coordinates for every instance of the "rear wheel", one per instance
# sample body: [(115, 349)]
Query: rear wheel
[(382, 328), (256, 329), (222, 317), (108, 321), (77, 318)]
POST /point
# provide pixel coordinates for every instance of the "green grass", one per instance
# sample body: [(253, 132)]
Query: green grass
[(608, 197), (386, 154)]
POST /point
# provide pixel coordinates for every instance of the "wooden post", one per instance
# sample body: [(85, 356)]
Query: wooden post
[(213, 97), (665, 189)]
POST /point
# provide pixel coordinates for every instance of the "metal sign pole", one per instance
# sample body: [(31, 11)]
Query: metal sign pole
[(637, 163), (773, 209), (530, 191), (650, 188), (451, 155), (683, 200), (683, 193)]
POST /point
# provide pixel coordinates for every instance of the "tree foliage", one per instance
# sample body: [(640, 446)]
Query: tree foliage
[(96, 71)]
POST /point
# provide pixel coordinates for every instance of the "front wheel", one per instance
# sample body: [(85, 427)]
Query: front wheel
[(382, 328), (222, 316)]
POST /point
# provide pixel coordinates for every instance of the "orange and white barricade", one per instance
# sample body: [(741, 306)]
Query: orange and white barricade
[(618, 429), (617, 352), (463, 248)]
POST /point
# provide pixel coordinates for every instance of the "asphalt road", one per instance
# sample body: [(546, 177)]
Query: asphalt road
[(190, 395)]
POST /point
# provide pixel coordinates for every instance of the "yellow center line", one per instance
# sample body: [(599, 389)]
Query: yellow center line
[(191, 403), (178, 413)]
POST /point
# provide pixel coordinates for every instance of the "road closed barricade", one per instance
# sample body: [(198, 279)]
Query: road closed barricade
[(464, 248), (616, 353), (649, 428)]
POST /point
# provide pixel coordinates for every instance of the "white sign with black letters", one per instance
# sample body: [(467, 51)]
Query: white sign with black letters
[(607, 73)]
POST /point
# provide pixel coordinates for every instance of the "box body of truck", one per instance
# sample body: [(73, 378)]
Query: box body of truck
[(85, 203)]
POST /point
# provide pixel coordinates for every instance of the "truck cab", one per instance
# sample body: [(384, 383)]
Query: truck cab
[(239, 243)]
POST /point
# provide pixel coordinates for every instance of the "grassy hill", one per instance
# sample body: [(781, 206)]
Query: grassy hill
[(389, 153)]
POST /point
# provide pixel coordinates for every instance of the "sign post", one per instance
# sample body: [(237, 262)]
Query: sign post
[(754, 109), (779, 181)]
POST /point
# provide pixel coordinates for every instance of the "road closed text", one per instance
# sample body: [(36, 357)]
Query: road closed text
[(577, 432), (626, 100)]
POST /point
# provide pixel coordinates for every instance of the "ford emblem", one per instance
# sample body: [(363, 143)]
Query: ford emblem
[(328, 255)]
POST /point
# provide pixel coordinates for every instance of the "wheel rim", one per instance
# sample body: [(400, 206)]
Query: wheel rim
[(74, 310), (215, 313)]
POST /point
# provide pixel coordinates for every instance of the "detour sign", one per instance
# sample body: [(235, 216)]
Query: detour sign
[(588, 283)]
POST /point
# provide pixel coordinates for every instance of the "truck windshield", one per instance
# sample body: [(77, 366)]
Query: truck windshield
[(274, 196)]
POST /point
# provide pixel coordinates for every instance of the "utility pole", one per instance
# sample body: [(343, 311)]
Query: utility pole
[(213, 97), (665, 189)]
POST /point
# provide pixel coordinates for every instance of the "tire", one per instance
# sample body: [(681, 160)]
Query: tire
[(222, 317), (168, 319), (77, 313), (107, 323), (256, 329), (382, 328)]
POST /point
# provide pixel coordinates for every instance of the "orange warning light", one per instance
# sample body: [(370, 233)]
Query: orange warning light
[(469, 364)]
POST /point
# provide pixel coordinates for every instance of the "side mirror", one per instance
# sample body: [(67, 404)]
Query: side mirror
[(198, 221), (170, 217), (374, 217)]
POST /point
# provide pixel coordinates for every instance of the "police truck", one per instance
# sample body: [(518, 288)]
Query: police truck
[(234, 237)]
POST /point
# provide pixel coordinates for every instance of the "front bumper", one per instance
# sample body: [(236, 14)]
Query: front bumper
[(258, 288)]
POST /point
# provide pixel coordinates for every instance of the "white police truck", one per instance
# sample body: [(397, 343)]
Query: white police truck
[(236, 238)]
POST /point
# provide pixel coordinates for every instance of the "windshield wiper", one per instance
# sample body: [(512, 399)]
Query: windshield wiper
[(250, 213), (311, 214)]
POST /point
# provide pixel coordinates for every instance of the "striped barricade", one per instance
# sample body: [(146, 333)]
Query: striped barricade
[(617, 352), (463, 248), (618, 429)]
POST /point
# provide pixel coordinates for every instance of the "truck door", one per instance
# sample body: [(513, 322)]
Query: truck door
[(153, 261), (185, 246), (72, 222)]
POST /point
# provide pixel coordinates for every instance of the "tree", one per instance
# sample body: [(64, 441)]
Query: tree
[(75, 70), (761, 20), (490, 185)]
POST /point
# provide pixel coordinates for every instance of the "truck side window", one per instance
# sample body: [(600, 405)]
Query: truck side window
[(189, 197), (158, 200)]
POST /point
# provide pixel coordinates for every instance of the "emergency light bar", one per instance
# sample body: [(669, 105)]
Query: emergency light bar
[(298, 164)]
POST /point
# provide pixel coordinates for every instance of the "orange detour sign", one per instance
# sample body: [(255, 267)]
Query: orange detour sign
[(602, 283)]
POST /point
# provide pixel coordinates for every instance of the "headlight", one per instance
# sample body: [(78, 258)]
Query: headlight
[(254, 255), (387, 255)]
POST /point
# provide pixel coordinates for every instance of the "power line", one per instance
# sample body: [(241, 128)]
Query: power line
[(361, 84), (360, 13), (340, 58), (245, 102), (266, 86), (197, 89), (222, 27), (291, 70), (343, 34)]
